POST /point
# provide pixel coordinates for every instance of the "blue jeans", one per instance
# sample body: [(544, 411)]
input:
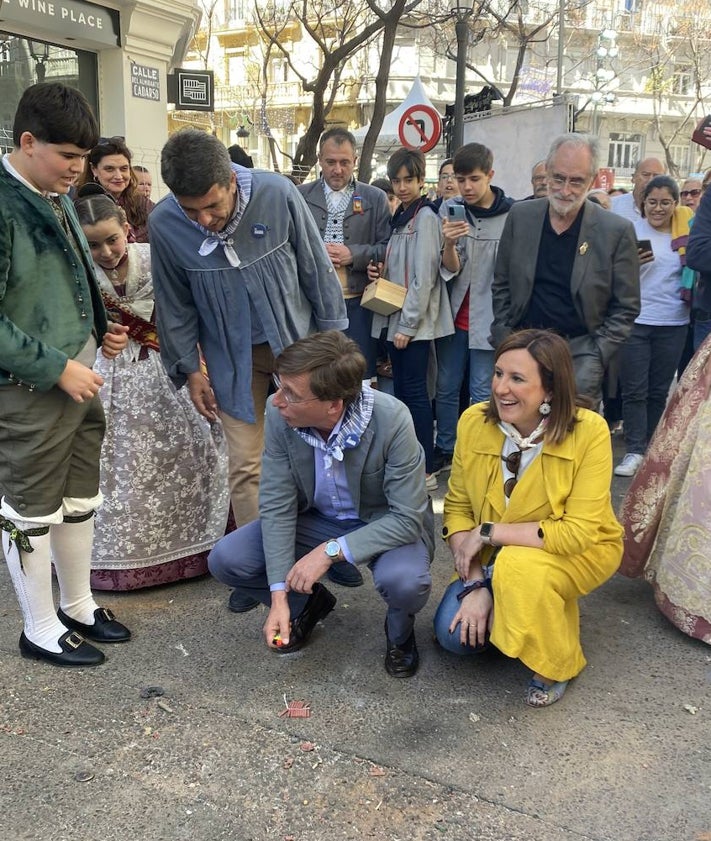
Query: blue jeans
[(453, 353), (360, 323), (648, 361), (401, 575), (410, 386), (443, 619)]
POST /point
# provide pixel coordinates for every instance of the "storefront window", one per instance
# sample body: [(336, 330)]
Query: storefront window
[(24, 62)]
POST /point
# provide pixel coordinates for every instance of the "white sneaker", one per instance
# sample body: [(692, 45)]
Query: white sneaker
[(431, 482), (629, 464)]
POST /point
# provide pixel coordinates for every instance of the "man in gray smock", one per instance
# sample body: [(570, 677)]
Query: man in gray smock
[(240, 272)]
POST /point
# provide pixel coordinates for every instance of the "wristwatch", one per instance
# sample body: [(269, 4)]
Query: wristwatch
[(333, 551), (486, 533)]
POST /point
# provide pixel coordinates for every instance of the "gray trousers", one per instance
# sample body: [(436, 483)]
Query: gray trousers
[(401, 575), (588, 366)]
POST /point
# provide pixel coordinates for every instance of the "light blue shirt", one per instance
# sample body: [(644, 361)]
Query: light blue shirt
[(332, 496)]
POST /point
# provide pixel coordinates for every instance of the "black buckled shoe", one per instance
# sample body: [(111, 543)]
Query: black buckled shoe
[(76, 651), (345, 574), (240, 602), (105, 628), (320, 603), (402, 660)]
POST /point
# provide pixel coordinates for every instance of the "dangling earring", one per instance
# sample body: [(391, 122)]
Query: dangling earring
[(545, 408)]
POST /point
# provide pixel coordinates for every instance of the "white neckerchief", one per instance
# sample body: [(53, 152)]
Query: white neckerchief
[(225, 237), (530, 449)]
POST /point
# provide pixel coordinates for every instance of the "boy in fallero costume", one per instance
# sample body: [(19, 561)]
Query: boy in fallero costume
[(51, 420)]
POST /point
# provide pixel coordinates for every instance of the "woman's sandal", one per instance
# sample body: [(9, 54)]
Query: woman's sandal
[(540, 695)]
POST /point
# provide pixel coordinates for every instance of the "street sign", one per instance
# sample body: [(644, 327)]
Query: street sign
[(192, 90), (420, 128)]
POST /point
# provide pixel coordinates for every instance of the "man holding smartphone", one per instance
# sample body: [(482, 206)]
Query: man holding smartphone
[(471, 226)]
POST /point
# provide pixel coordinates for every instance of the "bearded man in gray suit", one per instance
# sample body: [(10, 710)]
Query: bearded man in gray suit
[(565, 264)]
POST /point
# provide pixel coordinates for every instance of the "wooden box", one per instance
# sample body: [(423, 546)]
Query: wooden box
[(383, 296)]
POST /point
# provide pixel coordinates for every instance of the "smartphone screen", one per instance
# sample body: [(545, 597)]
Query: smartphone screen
[(457, 213), (644, 245)]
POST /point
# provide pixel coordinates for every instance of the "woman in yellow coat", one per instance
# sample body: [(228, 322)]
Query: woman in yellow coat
[(528, 516)]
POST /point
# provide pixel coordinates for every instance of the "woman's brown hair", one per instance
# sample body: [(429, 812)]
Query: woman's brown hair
[(133, 202), (555, 366)]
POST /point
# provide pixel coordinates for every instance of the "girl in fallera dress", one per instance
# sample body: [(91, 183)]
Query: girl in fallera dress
[(163, 466)]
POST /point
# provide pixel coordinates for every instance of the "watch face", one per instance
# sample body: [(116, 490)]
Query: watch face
[(333, 549), (485, 530)]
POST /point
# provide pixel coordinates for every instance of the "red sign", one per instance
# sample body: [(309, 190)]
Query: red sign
[(605, 178), (420, 128)]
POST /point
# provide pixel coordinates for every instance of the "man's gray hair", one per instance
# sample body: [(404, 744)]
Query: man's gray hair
[(582, 141), (193, 161)]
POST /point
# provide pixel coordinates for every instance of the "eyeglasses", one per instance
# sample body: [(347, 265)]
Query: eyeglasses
[(448, 176), (513, 464), (573, 183), (696, 192), (665, 204), (290, 399)]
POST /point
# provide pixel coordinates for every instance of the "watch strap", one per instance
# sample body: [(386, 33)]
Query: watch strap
[(471, 586)]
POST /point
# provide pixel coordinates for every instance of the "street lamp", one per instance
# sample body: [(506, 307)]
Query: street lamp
[(39, 55), (461, 15), (607, 50), (242, 133)]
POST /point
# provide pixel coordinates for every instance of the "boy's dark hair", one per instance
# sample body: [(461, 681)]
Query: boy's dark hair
[(445, 162), (55, 113), (193, 161), (472, 156), (384, 185), (412, 159)]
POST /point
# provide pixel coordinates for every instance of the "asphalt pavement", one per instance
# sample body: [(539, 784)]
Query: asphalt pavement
[(178, 735)]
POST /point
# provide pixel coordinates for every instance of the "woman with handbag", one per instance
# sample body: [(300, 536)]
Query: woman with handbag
[(528, 516)]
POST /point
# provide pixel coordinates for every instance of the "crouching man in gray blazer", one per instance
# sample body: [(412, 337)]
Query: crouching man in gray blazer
[(343, 478)]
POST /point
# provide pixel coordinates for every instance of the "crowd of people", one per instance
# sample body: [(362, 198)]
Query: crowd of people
[(201, 379)]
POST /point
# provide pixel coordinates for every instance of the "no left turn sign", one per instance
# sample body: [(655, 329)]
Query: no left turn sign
[(420, 128)]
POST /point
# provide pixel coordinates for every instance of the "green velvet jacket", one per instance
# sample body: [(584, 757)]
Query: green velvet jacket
[(49, 300)]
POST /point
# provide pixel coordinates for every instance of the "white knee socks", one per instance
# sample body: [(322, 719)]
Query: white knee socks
[(71, 552), (32, 579)]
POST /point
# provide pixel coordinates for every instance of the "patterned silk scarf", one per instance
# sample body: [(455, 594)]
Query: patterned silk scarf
[(355, 420)]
